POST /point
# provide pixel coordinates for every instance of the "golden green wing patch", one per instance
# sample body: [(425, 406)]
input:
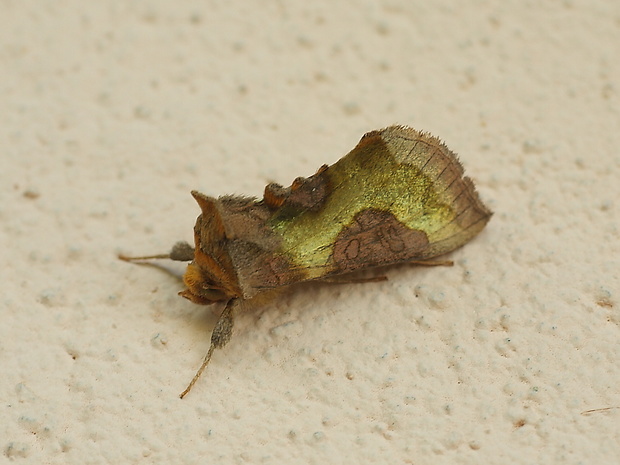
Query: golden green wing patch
[(414, 179)]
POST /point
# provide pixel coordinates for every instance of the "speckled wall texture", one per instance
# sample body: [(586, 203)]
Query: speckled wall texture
[(112, 112)]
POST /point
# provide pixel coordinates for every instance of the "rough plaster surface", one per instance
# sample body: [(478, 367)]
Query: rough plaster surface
[(111, 112)]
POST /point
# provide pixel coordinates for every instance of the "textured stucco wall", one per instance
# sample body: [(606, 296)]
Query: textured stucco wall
[(111, 112)]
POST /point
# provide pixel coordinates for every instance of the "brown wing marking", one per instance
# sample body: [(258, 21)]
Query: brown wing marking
[(377, 238)]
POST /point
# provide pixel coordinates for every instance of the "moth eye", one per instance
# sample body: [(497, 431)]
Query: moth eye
[(214, 295)]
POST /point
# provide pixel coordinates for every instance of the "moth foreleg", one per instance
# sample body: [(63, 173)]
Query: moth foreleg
[(345, 280), (180, 252), (432, 262)]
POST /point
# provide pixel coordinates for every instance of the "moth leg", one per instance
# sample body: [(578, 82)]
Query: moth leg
[(375, 279), (219, 338), (180, 252), (432, 262)]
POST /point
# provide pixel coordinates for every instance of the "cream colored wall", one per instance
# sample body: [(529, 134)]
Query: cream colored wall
[(111, 112)]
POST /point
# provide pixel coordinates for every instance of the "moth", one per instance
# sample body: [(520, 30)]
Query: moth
[(399, 196)]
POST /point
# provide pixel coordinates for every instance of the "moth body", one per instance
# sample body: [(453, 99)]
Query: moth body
[(399, 196)]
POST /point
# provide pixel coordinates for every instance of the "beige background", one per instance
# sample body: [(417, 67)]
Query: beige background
[(111, 112)]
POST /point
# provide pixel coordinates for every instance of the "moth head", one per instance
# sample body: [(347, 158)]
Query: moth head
[(210, 277), (201, 289)]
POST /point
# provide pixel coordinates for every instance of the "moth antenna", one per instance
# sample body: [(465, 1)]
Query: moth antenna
[(125, 258), (205, 362), (219, 338)]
